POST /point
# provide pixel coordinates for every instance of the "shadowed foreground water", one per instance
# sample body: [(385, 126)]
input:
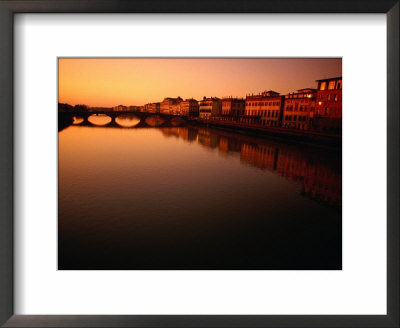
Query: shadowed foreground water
[(195, 198)]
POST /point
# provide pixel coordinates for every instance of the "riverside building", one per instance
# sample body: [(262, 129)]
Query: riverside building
[(328, 107), (267, 106), (233, 106), (209, 107), (189, 107), (152, 108), (168, 105), (299, 108)]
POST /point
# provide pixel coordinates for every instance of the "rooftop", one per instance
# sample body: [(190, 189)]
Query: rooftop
[(332, 78), (307, 90)]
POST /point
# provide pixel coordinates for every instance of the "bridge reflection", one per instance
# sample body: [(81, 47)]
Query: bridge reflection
[(316, 170), (119, 120)]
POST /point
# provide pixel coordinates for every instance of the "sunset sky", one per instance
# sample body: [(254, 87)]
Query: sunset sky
[(113, 81)]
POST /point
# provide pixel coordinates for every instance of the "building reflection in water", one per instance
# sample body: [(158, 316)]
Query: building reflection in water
[(185, 133), (318, 171)]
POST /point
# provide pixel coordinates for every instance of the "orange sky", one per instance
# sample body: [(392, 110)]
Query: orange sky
[(135, 81)]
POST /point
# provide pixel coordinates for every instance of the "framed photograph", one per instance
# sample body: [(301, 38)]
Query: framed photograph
[(188, 210), (216, 164)]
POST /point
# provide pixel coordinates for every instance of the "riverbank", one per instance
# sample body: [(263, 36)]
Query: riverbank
[(305, 137)]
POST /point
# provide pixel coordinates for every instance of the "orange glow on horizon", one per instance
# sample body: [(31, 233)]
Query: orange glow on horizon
[(136, 81)]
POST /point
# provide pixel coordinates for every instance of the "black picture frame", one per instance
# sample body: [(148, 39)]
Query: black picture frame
[(10, 7)]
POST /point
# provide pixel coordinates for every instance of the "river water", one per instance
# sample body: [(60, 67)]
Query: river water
[(190, 197)]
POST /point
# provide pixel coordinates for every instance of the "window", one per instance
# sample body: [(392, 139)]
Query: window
[(339, 85), (331, 85), (322, 86)]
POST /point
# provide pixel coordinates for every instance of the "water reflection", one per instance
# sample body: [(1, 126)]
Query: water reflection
[(127, 121), (99, 119), (77, 120), (154, 120), (317, 171), (176, 121), (195, 198), (187, 134)]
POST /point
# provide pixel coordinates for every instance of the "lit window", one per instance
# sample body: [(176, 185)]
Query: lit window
[(322, 86), (331, 85)]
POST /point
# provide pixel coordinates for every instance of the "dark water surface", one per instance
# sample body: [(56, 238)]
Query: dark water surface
[(195, 198)]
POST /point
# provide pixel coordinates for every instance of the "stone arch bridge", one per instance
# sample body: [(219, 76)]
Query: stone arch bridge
[(147, 120)]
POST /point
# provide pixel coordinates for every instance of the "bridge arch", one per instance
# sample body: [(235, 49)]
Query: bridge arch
[(127, 120), (100, 119)]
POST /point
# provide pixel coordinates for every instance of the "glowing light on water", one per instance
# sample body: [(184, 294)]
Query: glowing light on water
[(99, 119), (127, 121)]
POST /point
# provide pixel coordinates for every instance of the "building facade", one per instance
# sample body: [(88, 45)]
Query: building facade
[(134, 108), (189, 107), (209, 107), (168, 105), (328, 107), (120, 108), (152, 108), (268, 106), (233, 106), (299, 109)]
